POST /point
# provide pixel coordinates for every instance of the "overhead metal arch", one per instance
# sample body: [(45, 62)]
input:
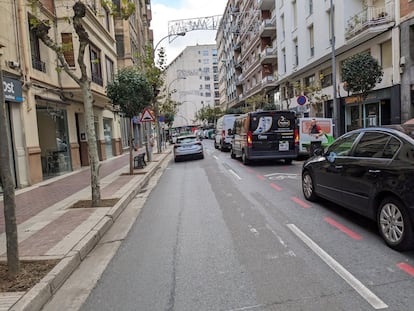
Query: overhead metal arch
[(190, 24)]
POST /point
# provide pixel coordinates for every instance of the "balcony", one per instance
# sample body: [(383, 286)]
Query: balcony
[(268, 56), (372, 20), (268, 81), (268, 28)]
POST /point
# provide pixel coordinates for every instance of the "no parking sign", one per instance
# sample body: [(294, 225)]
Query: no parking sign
[(301, 100)]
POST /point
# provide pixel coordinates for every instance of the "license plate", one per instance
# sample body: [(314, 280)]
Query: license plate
[(283, 145)]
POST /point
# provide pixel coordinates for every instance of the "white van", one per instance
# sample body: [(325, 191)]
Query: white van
[(305, 137), (224, 132)]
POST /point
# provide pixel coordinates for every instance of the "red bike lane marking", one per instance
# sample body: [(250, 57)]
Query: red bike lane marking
[(300, 202), (342, 228), (406, 268), (274, 186), (260, 177)]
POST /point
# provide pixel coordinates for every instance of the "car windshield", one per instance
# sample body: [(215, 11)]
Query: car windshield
[(186, 140)]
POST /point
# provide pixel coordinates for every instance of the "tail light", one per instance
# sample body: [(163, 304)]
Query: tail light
[(296, 133), (198, 143), (249, 139), (223, 134)]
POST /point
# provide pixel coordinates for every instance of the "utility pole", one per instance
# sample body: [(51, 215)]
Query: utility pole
[(335, 107)]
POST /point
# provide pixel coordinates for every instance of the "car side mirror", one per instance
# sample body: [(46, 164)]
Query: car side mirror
[(318, 152)]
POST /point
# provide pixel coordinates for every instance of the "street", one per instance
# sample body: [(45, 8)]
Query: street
[(214, 234)]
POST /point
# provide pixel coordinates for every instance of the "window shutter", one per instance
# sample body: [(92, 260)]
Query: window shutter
[(68, 49)]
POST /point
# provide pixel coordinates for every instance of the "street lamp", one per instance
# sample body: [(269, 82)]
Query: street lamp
[(182, 34), (335, 112), (157, 127)]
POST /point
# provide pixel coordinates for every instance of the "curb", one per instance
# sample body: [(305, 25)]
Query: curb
[(42, 292)]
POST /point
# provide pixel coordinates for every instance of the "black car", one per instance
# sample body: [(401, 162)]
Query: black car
[(370, 171)]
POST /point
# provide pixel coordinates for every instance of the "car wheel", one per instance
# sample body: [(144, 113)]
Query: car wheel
[(215, 145), (308, 187), (245, 160), (394, 224), (232, 155), (288, 161)]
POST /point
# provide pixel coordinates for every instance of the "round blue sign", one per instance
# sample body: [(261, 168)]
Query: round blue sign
[(301, 100)]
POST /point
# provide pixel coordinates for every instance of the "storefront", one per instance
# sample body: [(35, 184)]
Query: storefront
[(375, 110), (53, 138), (13, 97), (107, 128)]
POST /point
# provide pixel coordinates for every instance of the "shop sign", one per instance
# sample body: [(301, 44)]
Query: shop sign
[(12, 90)]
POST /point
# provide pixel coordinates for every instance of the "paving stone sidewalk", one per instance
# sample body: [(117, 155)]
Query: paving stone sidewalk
[(49, 229)]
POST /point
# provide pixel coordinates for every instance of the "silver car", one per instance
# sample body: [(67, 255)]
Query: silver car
[(188, 146)]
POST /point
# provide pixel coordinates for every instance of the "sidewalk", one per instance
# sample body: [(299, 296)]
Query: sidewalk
[(49, 229)]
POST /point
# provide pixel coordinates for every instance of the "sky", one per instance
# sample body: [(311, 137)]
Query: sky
[(164, 11)]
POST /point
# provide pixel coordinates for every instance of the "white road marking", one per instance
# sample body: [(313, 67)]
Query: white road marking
[(281, 176), (360, 288), (215, 157), (234, 174)]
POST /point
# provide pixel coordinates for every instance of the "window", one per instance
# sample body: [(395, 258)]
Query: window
[(107, 19), (326, 77), (206, 78), (373, 145), (96, 71), (205, 53), (386, 54), (208, 94), (205, 61), (67, 46), (109, 69), (295, 52), (343, 146), (309, 81), (311, 41), (207, 86), (295, 14), (284, 59), (282, 21), (310, 7), (120, 47), (35, 51)]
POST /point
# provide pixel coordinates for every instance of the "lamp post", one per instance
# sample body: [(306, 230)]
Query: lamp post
[(182, 34), (156, 110), (335, 112)]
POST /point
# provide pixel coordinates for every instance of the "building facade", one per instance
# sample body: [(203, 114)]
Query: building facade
[(192, 80), (283, 50), (44, 104)]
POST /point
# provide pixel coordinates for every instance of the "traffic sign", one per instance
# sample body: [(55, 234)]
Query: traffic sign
[(147, 116), (301, 100)]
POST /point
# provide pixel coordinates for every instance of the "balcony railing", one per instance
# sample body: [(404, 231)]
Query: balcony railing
[(38, 64), (368, 18)]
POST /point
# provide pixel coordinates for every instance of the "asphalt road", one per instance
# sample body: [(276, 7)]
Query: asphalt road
[(217, 235)]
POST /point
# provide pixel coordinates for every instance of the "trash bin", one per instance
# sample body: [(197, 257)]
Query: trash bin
[(314, 145)]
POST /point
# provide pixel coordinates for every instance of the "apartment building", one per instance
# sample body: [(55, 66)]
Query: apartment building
[(44, 105), (192, 79), (132, 36), (283, 49), (249, 54), (305, 58)]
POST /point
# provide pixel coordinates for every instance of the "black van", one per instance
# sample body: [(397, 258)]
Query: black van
[(265, 135)]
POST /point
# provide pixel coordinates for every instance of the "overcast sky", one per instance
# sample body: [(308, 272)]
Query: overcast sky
[(169, 10)]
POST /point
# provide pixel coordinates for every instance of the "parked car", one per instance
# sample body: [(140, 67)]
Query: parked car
[(224, 132), (188, 146), (265, 135), (370, 171)]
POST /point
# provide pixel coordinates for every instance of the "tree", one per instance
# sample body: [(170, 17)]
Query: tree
[(41, 29), (208, 113), (361, 72), (6, 181), (132, 92), (155, 73)]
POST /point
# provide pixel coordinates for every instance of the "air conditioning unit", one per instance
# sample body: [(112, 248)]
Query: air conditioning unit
[(13, 64)]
